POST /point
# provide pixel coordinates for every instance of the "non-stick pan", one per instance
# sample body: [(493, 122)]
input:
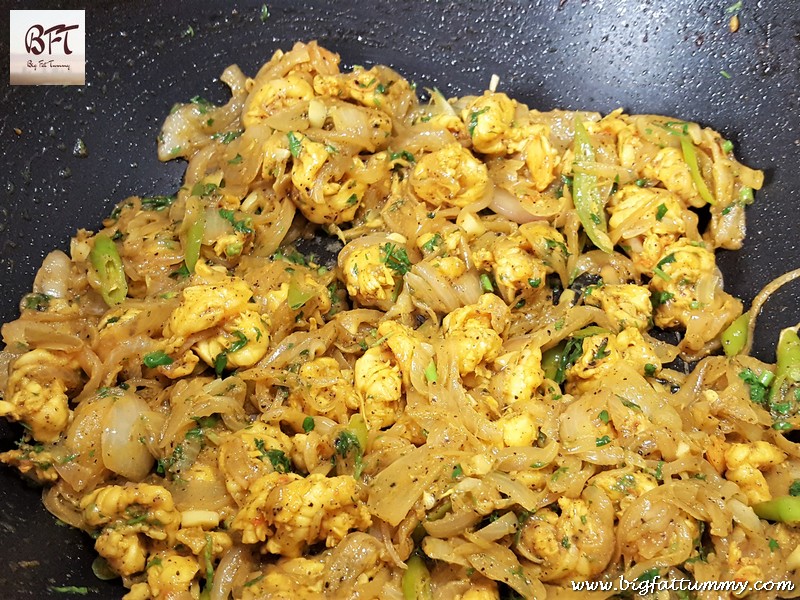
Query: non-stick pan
[(674, 57)]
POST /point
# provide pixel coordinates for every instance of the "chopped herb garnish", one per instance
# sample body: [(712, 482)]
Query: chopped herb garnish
[(203, 105), (759, 384), (277, 458), (486, 283), (601, 351), (773, 545), (794, 489), (228, 136), (602, 441), (345, 443), (432, 243), (572, 351), (473, 119), (37, 302), (308, 424), (659, 298), (204, 189), (159, 358), (403, 154), (649, 369), (661, 211), (535, 283), (603, 416), (457, 472), (295, 144), (157, 202), (235, 160), (669, 258), (221, 360), (395, 258), (264, 13), (727, 146), (240, 226)]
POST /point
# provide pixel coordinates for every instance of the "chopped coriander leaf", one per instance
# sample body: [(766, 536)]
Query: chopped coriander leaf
[(473, 120), (240, 226), (395, 258), (204, 189), (782, 426), (794, 489), (308, 424), (403, 155), (37, 302), (758, 384), (279, 461), (264, 13), (157, 202), (235, 160), (180, 273), (535, 283), (773, 545), (649, 369), (202, 104), (486, 283), (603, 416), (661, 211), (669, 258), (295, 144), (155, 359), (659, 298), (595, 219), (602, 441), (228, 136), (727, 146), (727, 210), (573, 349), (433, 243), (641, 182), (457, 472)]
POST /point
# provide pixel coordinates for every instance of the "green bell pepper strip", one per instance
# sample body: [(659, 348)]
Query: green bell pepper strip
[(690, 156), (106, 261), (416, 582), (194, 240), (788, 356), (586, 193), (787, 367), (734, 338), (785, 509)]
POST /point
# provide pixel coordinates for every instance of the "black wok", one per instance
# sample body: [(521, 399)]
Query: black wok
[(650, 56)]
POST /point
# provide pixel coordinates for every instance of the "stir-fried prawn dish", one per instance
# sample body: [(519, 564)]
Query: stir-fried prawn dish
[(513, 368)]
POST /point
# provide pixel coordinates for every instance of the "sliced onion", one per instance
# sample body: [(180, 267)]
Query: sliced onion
[(54, 275), (123, 451), (506, 204)]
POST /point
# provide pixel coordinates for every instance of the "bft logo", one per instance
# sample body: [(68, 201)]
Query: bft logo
[(47, 47), (35, 43)]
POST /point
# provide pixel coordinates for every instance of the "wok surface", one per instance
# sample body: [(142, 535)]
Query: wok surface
[(644, 55)]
